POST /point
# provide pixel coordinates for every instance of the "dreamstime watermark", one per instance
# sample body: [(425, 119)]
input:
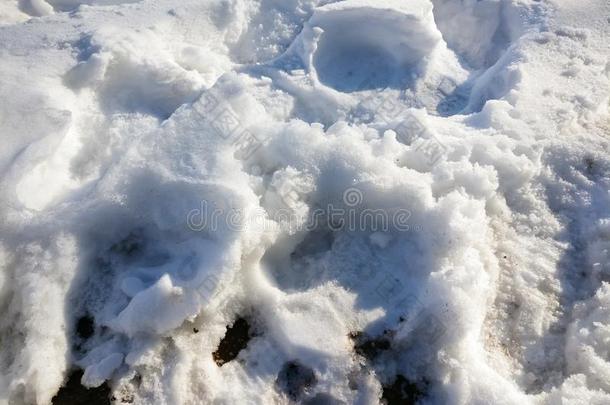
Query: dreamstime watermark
[(409, 129), (349, 215), (425, 325), (208, 286), (226, 124), (420, 324)]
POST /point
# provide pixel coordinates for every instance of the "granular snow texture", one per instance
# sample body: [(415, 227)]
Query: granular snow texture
[(304, 201)]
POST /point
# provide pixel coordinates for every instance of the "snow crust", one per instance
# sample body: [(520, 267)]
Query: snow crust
[(430, 174)]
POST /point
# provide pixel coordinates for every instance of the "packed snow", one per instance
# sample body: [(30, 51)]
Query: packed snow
[(305, 201)]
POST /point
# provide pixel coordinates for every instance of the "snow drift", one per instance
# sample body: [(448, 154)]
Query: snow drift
[(304, 202)]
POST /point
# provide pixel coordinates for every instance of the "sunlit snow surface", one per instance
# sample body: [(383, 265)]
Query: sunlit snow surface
[(382, 200)]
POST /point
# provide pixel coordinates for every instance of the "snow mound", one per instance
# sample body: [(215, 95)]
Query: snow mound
[(46, 7), (304, 201)]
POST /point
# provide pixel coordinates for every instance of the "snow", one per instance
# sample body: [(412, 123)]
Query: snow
[(432, 175)]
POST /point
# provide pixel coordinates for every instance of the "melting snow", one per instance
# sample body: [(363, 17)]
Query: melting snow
[(406, 200)]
